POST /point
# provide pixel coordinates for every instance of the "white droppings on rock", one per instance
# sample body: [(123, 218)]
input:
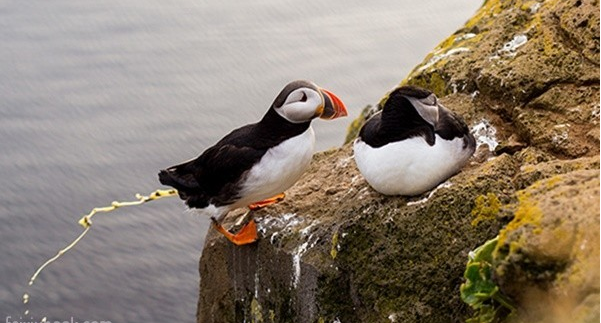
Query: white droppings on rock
[(454, 87), (437, 57), (560, 134), (464, 37), (257, 285), (290, 223), (298, 253), (305, 231), (595, 113), (281, 222), (485, 133), (509, 48), (297, 256), (425, 199), (278, 225), (534, 8), (288, 216), (296, 266)]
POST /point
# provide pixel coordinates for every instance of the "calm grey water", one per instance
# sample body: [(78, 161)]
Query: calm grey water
[(95, 97)]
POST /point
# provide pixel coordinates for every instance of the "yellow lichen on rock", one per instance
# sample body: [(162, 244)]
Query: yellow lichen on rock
[(550, 250), (528, 212), (489, 9), (486, 208)]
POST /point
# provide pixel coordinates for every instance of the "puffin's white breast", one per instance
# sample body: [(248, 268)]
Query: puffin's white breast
[(278, 169), (410, 166)]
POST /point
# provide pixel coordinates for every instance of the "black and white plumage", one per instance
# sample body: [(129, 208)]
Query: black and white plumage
[(259, 160), (413, 144)]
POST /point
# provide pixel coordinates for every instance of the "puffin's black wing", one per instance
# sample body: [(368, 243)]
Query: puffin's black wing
[(447, 124), (398, 120), (411, 111), (451, 125), (214, 177)]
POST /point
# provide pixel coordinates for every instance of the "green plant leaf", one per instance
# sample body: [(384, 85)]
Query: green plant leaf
[(479, 290)]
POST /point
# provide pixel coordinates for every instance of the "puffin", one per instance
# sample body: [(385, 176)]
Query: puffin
[(253, 165), (413, 144)]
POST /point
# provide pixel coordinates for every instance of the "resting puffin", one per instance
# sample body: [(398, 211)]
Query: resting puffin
[(413, 144), (253, 165)]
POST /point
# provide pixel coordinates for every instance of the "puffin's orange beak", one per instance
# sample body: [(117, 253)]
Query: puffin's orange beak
[(333, 107)]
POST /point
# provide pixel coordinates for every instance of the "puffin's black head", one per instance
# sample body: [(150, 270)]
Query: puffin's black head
[(300, 101), (408, 99)]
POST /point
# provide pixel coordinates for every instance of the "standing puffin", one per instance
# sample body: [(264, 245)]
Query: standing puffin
[(253, 165), (413, 144)]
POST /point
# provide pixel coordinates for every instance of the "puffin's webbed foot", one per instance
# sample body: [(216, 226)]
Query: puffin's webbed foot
[(272, 200), (246, 235)]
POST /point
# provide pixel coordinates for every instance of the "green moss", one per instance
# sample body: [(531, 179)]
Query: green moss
[(444, 45), (255, 311), (486, 208), (334, 250), (488, 9), (432, 81), (528, 213), (333, 298), (395, 255)]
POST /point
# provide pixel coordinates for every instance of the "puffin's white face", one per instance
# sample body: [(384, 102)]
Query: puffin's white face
[(302, 105)]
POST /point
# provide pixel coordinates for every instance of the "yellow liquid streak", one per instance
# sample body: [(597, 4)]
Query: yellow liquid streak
[(86, 222)]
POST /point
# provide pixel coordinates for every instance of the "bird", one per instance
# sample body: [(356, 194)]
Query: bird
[(413, 144), (253, 165)]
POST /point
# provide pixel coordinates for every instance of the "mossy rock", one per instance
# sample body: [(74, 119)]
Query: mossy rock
[(547, 258), (336, 250), (530, 67)]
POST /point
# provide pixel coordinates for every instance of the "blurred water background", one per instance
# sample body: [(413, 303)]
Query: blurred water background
[(97, 96)]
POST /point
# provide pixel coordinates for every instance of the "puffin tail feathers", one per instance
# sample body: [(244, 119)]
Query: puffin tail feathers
[(182, 182), (181, 177), (166, 179)]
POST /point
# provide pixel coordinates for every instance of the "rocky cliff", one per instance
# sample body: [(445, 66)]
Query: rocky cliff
[(525, 75)]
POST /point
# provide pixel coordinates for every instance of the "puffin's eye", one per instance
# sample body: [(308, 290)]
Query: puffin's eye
[(303, 98)]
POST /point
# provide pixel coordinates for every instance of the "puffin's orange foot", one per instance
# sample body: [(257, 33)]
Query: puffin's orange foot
[(261, 204), (246, 235)]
